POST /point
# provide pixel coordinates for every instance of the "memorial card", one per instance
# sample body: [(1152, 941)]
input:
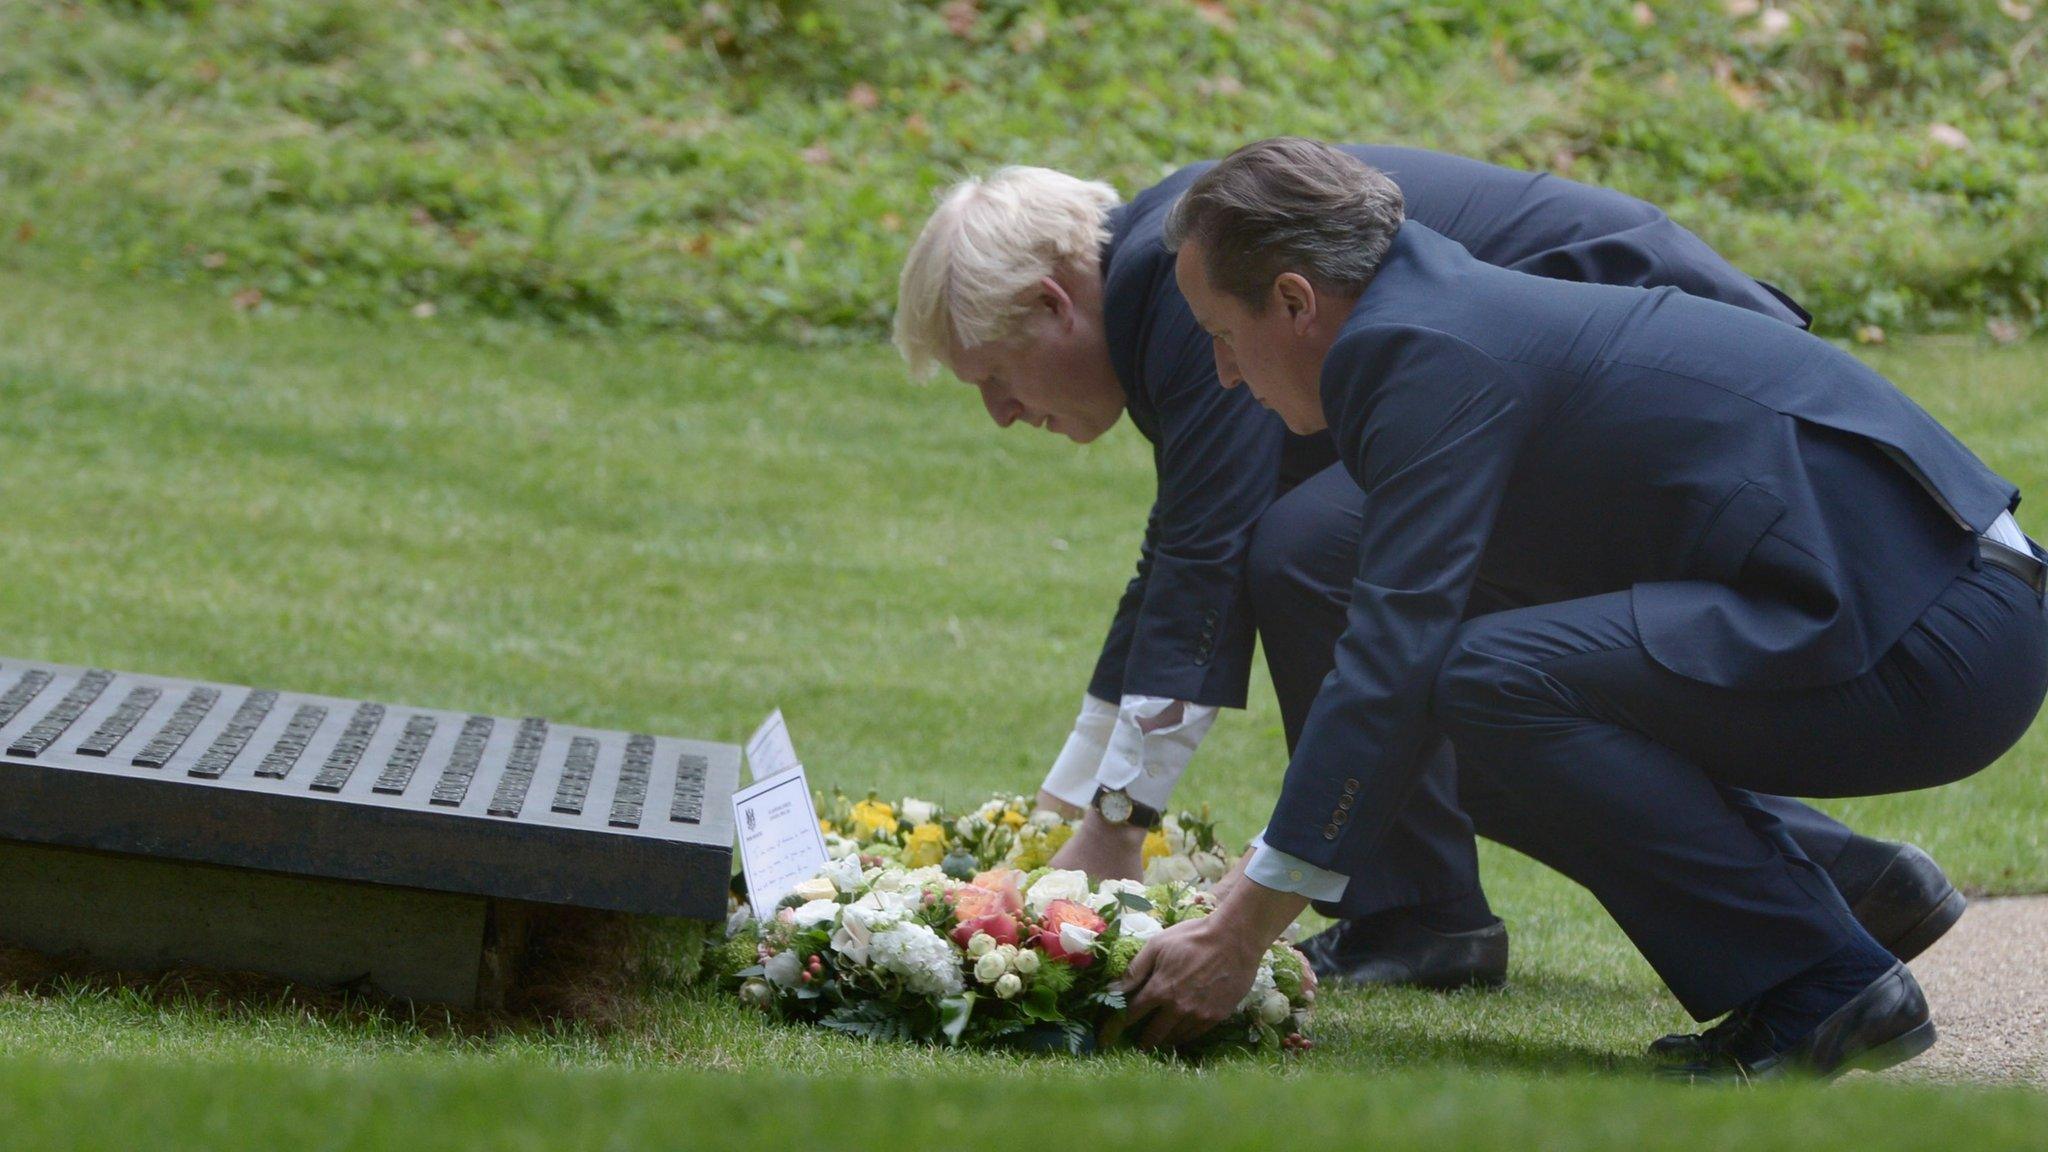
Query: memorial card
[(769, 751), (780, 844)]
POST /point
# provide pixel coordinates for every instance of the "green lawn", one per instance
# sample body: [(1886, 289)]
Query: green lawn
[(657, 534)]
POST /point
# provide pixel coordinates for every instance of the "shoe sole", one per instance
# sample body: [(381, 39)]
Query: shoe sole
[(1917, 939), (1891, 1053)]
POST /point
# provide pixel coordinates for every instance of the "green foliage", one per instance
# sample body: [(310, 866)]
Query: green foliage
[(757, 168)]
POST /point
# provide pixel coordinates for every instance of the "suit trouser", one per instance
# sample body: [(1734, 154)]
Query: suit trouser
[(1303, 559), (1646, 780)]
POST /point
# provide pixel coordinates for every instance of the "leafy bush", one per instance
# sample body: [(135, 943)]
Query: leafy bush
[(757, 168)]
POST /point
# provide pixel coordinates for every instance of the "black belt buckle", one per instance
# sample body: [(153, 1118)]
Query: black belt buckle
[(2024, 565)]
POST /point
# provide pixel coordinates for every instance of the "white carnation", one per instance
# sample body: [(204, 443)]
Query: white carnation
[(917, 811), (1064, 884), (923, 958), (839, 847)]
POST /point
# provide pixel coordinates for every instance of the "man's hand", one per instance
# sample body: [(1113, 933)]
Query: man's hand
[(1103, 850), (1191, 977)]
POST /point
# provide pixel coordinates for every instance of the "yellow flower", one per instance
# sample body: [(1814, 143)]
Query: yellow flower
[(1014, 818), (1155, 846), (925, 845), (873, 818), (826, 826)]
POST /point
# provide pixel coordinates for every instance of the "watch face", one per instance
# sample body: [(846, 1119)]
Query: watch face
[(1115, 807)]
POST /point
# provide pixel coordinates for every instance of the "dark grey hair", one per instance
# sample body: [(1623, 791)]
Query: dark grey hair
[(1288, 205)]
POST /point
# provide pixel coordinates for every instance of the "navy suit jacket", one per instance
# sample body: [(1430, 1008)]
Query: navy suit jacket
[(1184, 628), (1780, 513)]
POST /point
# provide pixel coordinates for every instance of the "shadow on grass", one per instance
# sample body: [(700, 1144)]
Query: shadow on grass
[(583, 970)]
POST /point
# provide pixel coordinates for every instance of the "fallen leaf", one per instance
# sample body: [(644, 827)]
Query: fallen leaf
[(891, 222), (817, 154), (246, 299), (214, 260), (1870, 334), (862, 97), (917, 125), (2003, 331), (1642, 14), (2016, 10), (25, 233), (424, 310), (1742, 9)]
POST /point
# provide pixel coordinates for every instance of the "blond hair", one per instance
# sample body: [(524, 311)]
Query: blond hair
[(968, 274)]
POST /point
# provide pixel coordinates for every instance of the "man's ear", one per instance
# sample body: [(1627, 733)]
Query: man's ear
[(1298, 296), (1053, 297)]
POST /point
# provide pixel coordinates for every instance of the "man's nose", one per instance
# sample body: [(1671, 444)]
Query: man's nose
[(1001, 409), (1226, 365)]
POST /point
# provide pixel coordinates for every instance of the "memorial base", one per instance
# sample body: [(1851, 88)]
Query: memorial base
[(138, 914)]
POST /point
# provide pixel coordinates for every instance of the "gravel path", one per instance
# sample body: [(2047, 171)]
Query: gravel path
[(1987, 983)]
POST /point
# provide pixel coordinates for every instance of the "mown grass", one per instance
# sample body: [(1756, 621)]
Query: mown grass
[(675, 535)]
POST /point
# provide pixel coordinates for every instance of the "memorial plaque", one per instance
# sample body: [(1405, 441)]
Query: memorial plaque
[(315, 786)]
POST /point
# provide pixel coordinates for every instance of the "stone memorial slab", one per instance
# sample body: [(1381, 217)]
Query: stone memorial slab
[(491, 815)]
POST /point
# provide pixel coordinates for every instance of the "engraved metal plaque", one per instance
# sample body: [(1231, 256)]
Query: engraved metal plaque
[(521, 809)]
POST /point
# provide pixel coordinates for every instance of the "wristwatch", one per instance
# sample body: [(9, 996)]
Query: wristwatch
[(1116, 806)]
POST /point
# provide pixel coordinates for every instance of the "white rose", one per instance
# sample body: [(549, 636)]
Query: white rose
[(1065, 884), (1076, 939), (1046, 819), (1274, 1008), (784, 968), (1171, 870), (928, 875), (816, 888), (1140, 925), (1007, 951), (844, 873), (917, 811), (839, 847), (990, 968), (1024, 963), (982, 944), (1210, 865), (1009, 985), (814, 913)]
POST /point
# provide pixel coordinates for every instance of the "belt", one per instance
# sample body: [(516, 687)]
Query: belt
[(2024, 565)]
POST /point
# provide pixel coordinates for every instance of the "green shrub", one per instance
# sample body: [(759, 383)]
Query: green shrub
[(756, 169)]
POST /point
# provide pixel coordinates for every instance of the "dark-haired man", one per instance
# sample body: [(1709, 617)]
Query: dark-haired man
[(1636, 555)]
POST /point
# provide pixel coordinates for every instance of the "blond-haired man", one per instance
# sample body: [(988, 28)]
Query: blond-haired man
[(1058, 303)]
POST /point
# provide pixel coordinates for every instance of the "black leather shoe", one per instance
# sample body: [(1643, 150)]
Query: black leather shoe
[(1909, 906), (1396, 951), (1883, 1025)]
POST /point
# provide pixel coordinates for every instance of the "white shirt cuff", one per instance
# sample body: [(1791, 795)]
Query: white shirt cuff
[(1272, 868), (1154, 739), (1072, 778)]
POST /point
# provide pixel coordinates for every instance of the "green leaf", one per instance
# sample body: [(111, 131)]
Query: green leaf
[(1134, 901)]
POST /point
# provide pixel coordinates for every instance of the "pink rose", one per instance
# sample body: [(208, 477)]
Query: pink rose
[(1000, 925), (1067, 932)]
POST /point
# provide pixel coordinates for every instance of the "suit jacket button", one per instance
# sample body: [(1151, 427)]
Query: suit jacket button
[(1351, 785), (1339, 816), (1344, 801), (1329, 831)]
